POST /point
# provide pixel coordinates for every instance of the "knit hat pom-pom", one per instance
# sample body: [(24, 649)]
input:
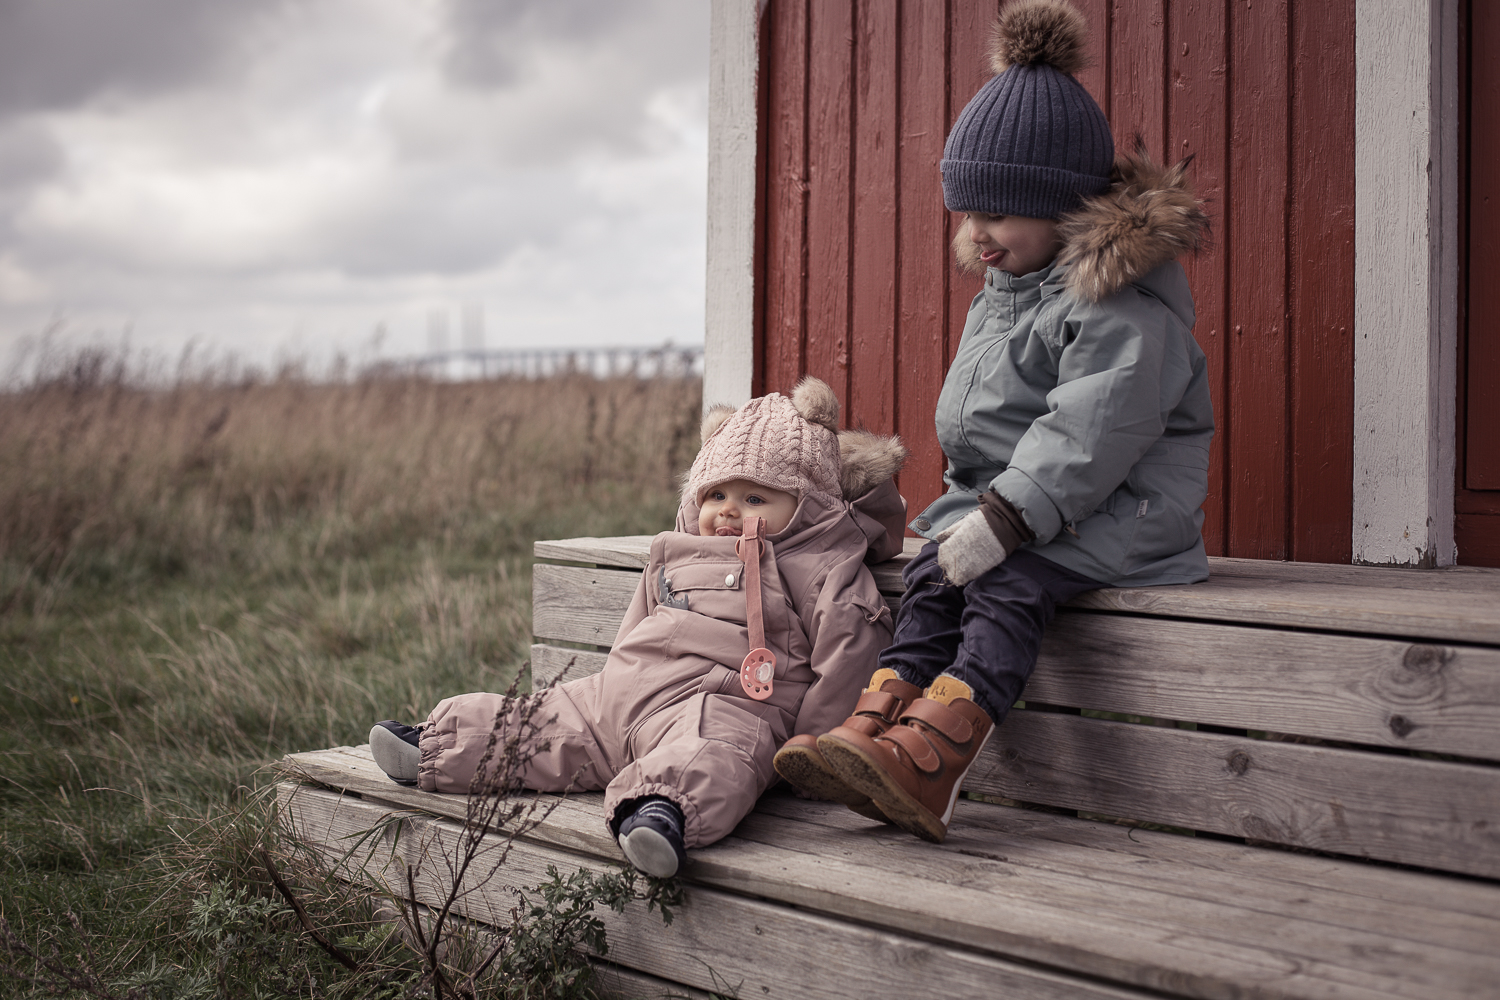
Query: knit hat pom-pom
[(816, 403), (713, 420), (1040, 31)]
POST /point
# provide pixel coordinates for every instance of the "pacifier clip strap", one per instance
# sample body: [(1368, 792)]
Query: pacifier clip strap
[(759, 668)]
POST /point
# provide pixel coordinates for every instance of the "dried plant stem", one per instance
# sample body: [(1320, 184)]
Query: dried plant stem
[(307, 923)]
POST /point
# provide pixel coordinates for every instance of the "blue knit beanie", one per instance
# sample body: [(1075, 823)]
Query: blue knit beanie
[(1032, 142)]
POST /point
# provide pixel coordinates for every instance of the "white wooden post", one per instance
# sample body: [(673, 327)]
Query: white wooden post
[(1405, 280), (729, 334)]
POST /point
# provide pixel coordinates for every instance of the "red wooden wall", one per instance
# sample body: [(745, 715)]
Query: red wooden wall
[(1477, 498), (856, 282)]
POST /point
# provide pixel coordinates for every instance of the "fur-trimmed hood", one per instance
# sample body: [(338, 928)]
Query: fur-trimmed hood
[(1148, 216)]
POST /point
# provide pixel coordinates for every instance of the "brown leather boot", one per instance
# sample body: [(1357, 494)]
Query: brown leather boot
[(913, 771), (800, 762)]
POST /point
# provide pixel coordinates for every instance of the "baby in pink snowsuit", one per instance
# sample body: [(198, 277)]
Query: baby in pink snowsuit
[(680, 727)]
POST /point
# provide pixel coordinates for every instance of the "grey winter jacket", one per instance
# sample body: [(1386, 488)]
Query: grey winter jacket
[(1091, 415)]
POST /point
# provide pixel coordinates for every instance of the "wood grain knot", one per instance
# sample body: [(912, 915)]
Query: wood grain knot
[(1401, 725), (1426, 661), (1254, 826), (1419, 678), (1237, 763)]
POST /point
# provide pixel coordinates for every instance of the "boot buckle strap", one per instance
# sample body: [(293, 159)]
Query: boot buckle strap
[(922, 753), (936, 715), (881, 703)]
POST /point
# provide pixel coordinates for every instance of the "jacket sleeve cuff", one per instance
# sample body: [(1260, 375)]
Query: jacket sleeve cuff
[(1037, 509)]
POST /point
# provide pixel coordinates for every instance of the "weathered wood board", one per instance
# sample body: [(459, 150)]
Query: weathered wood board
[(1155, 911), (557, 663), (1380, 692), (1453, 604), (1394, 693), (580, 605), (1436, 814)]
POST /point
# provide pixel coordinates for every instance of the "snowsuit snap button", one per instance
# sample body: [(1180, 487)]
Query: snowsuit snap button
[(729, 580), (921, 524)]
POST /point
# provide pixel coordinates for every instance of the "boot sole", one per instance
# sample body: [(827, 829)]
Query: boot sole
[(397, 758), (864, 774), (650, 852), (806, 771)]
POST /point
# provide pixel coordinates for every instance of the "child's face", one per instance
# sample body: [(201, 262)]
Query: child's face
[(726, 505), (1013, 243)]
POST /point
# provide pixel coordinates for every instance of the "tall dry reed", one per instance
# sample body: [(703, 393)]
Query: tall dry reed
[(97, 471)]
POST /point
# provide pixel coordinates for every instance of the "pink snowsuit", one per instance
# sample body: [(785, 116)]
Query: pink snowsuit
[(667, 714)]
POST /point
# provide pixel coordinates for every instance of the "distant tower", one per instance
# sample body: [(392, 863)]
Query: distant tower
[(473, 334)]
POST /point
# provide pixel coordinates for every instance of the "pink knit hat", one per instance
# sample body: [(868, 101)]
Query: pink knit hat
[(786, 444)]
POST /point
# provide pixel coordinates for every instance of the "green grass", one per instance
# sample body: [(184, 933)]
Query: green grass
[(181, 632)]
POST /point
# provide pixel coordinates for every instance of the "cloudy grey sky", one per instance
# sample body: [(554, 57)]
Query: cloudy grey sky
[(291, 177)]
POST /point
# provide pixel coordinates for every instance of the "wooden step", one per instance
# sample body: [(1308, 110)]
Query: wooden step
[(808, 899), (1331, 734)]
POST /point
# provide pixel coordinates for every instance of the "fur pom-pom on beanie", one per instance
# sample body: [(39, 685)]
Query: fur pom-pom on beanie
[(1032, 142), (786, 443)]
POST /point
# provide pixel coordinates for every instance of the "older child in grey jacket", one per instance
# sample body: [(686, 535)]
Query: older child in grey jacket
[(1076, 420)]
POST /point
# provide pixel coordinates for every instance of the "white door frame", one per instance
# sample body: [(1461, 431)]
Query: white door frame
[(1406, 252)]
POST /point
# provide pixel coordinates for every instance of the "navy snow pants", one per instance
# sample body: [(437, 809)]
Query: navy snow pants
[(986, 633)]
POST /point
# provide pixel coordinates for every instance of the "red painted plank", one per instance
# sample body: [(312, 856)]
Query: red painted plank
[(828, 205), (1096, 75), (1256, 431), (1321, 225), (1197, 99), (1478, 539), (783, 271), (971, 25), (1138, 74), (1482, 381), (877, 70), (923, 260)]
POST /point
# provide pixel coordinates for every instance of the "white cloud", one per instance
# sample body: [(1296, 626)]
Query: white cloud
[(348, 165)]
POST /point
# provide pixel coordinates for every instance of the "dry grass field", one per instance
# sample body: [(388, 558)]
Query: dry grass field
[(196, 579)]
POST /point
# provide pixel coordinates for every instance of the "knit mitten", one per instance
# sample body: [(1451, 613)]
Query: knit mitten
[(968, 549)]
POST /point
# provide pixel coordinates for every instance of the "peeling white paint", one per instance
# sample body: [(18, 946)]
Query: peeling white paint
[(1405, 280), (729, 334)]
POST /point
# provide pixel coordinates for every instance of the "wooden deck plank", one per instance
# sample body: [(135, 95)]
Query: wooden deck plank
[(1381, 692), (628, 551), (1453, 604), (1151, 938), (1437, 814), (548, 663), (1453, 911), (1445, 615), (619, 983), (1315, 931), (717, 941), (998, 886), (580, 605), (1394, 693)]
